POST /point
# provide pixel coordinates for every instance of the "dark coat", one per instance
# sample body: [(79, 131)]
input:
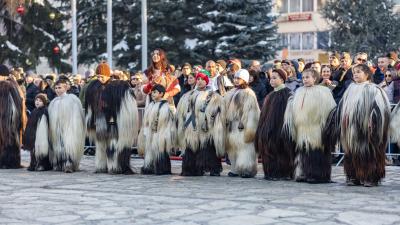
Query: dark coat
[(31, 91), (260, 90), (344, 79)]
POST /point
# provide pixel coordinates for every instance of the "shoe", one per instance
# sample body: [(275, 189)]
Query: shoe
[(300, 179), (370, 184), (233, 174), (246, 175), (352, 182)]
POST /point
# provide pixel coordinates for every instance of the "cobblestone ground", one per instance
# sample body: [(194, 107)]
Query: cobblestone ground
[(88, 198)]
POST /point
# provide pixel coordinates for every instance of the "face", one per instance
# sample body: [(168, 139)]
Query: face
[(285, 66), (275, 80), (157, 96), (238, 81), (212, 68), (29, 80), (219, 68), (38, 103), (255, 65), (155, 56), (383, 62), (326, 73), (301, 66), (37, 82), (333, 61), (308, 80), (345, 63), (60, 89), (201, 84), (134, 81), (388, 77), (191, 80), (102, 79), (361, 59), (359, 76), (316, 67), (186, 70)]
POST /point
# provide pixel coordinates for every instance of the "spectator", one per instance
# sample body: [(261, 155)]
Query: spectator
[(295, 65), (190, 84), (316, 65), (343, 76), (182, 74), (137, 85), (393, 58), (361, 58), (391, 85), (292, 82), (383, 64), (31, 91), (334, 62), (259, 88), (225, 84), (326, 78)]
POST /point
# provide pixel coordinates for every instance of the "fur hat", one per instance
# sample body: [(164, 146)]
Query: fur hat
[(222, 63), (4, 71), (243, 74), (203, 76), (282, 74), (43, 98), (103, 69)]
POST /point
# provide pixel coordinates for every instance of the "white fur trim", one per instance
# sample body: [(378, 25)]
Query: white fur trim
[(42, 138)]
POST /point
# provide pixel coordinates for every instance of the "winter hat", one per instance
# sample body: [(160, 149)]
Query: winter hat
[(43, 98), (4, 71), (237, 62), (282, 74), (222, 63), (203, 76), (243, 74), (103, 69)]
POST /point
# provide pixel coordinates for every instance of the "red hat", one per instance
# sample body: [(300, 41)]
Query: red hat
[(203, 77)]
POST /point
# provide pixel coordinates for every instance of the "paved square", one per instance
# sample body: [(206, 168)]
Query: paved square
[(88, 198)]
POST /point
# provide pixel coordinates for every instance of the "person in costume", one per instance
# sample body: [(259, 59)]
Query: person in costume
[(158, 134), (111, 121), (12, 120), (242, 115), (36, 136), (67, 129), (276, 153), (364, 114), (306, 116), (202, 124), (159, 73)]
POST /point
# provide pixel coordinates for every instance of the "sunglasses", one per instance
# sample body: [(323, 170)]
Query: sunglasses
[(362, 60)]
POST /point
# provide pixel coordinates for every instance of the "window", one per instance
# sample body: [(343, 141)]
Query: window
[(308, 41), (323, 40), (295, 41), (283, 40), (308, 5), (296, 6)]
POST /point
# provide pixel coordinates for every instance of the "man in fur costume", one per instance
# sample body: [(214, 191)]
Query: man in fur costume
[(111, 121), (202, 124), (364, 114), (305, 119), (242, 115), (12, 120), (36, 136), (276, 152), (158, 134), (67, 129)]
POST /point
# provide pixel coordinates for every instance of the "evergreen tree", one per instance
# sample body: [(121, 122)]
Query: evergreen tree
[(237, 28), (363, 25), (33, 33)]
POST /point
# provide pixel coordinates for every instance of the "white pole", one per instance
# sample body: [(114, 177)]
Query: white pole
[(144, 35), (109, 32), (74, 39)]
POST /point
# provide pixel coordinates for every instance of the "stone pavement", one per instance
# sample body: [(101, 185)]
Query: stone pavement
[(88, 198)]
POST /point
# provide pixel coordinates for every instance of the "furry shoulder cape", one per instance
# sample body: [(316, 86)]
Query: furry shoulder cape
[(306, 116), (38, 116)]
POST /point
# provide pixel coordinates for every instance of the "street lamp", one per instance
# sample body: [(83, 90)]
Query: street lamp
[(74, 39), (109, 32), (144, 35)]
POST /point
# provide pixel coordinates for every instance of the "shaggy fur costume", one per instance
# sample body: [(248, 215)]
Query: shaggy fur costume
[(12, 123), (306, 116), (201, 120), (277, 153), (67, 132), (242, 115), (364, 122), (157, 137), (36, 140), (112, 121)]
